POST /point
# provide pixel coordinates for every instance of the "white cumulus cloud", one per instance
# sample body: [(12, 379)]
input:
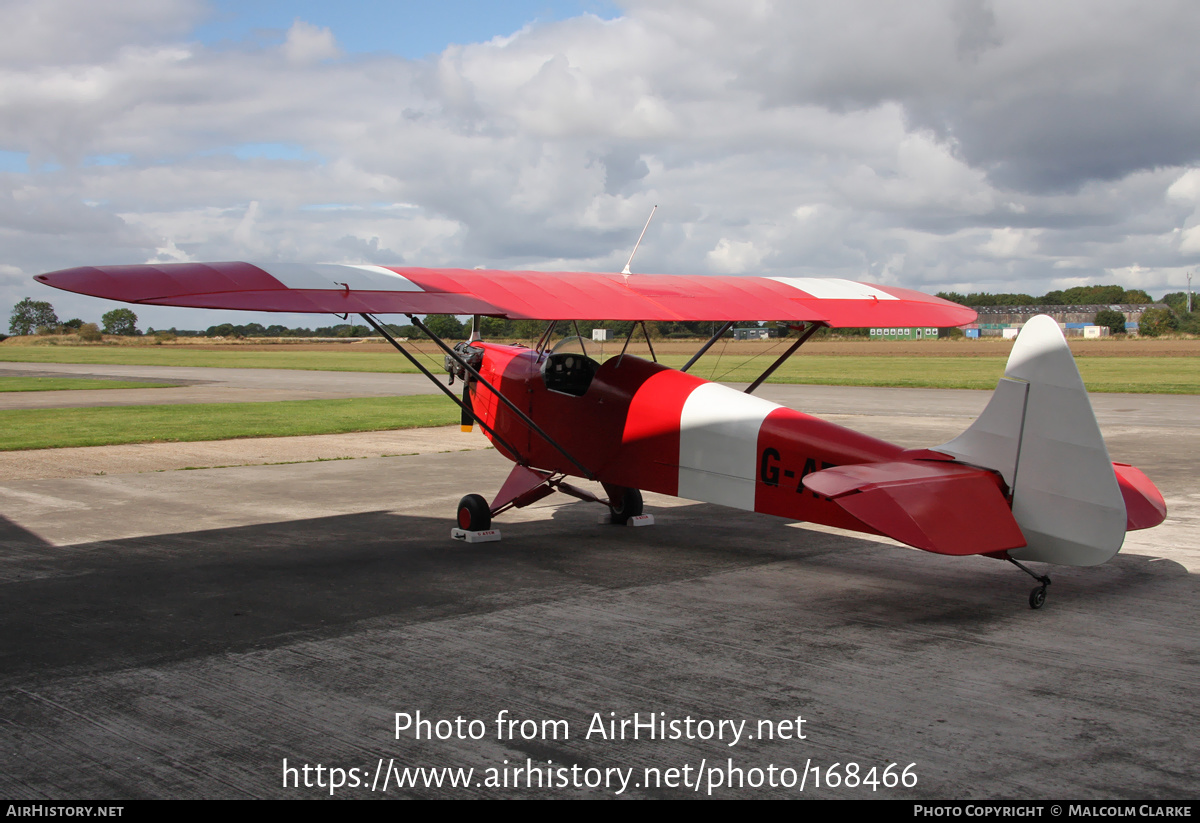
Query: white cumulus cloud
[(955, 144)]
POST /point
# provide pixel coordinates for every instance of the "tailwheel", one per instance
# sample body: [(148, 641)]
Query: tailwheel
[(1037, 597), (625, 503), (474, 514)]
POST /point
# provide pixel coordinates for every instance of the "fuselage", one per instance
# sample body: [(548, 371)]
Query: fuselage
[(642, 425)]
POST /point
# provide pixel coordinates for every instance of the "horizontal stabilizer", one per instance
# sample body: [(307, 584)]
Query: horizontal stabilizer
[(1144, 504), (937, 506)]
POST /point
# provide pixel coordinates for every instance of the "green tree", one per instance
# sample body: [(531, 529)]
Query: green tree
[(495, 328), (120, 322), (1093, 295), (90, 333), (445, 326), (1112, 318), (1155, 322), (30, 315), (1185, 321), (1178, 301), (1003, 300)]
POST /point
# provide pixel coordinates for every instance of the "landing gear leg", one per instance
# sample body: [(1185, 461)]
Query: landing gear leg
[(525, 486), (1037, 597)]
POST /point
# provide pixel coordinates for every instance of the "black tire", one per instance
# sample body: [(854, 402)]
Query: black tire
[(1037, 597), (625, 503), (474, 514)]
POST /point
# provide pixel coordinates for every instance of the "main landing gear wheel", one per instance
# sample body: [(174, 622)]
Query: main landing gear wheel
[(625, 503), (1037, 597), (474, 514)]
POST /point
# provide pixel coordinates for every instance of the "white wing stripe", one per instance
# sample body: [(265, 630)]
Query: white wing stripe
[(335, 275), (832, 288)]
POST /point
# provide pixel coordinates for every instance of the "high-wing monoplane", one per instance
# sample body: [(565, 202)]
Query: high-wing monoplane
[(1029, 480)]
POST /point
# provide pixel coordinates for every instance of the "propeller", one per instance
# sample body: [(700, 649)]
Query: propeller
[(468, 419)]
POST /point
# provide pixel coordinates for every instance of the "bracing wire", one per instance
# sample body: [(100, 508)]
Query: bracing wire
[(749, 360)]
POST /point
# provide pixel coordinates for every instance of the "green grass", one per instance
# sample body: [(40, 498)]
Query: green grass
[(56, 428), (854, 370), (389, 361), (1137, 375), (1162, 375), (71, 383)]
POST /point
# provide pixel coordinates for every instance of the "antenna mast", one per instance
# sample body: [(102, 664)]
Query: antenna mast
[(639, 242)]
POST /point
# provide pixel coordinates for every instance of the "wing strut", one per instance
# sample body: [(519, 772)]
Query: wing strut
[(461, 404), (629, 337), (717, 336), (543, 342), (526, 419), (809, 332), (649, 345), (582, 345)]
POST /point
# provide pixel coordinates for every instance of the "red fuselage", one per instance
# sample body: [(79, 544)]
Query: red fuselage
[(642, 425)]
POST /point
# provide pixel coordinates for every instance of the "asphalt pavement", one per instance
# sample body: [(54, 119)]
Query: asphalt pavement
[(263, 630)]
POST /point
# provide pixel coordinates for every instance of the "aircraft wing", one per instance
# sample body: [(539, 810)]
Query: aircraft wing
[(539, 295)]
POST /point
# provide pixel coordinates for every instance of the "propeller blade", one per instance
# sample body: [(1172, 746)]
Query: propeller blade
[(468, 420)]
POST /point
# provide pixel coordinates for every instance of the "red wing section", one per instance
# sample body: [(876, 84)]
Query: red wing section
[(940, 507), (337, 288)]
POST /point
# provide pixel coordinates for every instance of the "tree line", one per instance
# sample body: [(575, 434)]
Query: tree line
[(1077, 296), (449, 327), (38, 317), (1154, 321)]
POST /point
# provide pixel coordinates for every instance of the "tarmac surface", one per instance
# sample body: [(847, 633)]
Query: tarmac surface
[(210, 633)]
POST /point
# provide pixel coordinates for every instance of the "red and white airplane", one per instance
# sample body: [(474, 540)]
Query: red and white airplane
[(1031, 479)]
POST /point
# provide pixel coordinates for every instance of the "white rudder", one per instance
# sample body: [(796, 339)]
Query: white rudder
[(1040, 433)]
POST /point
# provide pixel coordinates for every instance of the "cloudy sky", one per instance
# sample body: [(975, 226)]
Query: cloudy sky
[(950, 144)]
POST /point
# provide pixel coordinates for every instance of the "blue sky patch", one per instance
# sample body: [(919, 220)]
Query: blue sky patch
[(409, 29), (271, 151), (14, 161)]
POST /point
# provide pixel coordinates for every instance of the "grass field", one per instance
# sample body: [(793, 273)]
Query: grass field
[(71, 384), (278, 357), (56, 428), (1150, 367), (1136, 375), (1139, 367)]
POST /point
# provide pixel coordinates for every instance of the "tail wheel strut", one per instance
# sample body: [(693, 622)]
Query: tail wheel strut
[(1037, 597)]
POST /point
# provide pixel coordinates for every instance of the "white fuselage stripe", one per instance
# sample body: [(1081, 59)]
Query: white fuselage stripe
[(718, 445)]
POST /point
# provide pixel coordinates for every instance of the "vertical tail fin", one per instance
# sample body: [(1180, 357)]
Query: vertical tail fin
[(1040, 433)]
